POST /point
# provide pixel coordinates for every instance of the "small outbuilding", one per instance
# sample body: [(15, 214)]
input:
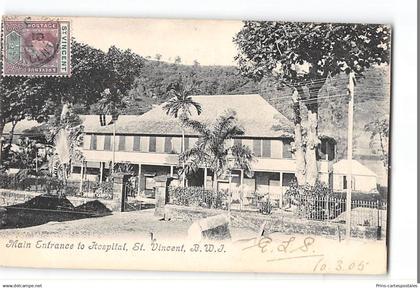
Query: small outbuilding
[(363, 179)]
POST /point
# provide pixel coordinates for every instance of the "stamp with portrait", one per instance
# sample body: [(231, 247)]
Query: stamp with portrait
[(35, 46)]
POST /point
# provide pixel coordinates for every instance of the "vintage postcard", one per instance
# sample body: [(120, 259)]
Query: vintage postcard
[(194, 145)]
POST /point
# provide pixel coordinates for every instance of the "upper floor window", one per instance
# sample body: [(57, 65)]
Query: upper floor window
[(107, 143), (136, 143), (326, 150), (121, 143), (266, 148), (237, 141), (287, 148), (186, 143), (168, 145), (152, 144), (262, 147), (256, 145), (93, 142)]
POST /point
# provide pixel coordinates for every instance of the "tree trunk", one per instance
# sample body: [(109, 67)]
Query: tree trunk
[(299, 149), (215, 180), (12, 131), (1, 141), (182, 151), (312, 138)]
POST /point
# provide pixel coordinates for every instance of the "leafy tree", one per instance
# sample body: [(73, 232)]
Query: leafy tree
[(158, 56), (20, 98), (379, 135), (177, 60), (93, 71), (25, 155), (302, 56), (212, 148), (179, 106)]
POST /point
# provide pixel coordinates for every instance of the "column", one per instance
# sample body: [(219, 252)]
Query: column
[(172, 171), (101, 171), (281, 190), (241, 189), (81, 176), (139, 182), (205, 178)]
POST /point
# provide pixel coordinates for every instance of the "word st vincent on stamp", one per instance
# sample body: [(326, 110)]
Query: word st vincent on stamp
[(36, 46)]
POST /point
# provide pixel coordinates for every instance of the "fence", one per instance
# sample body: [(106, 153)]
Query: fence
[(51, 185), (198, 196), (90, 189), (328, 208)]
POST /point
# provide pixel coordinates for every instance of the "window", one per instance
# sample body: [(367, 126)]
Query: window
[(93, 142), (331, 150), (344, 182), (136, 143), (287, 148), (262, 148), (168, 144), (266, 148), (186, 143), (107, 143), (257, 147), (322, 150), (121, 143), (288, 178), (353, 183), (152, 144), (237, 142)]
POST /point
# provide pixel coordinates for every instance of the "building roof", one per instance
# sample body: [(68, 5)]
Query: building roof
[(254, 114), (342, 167)]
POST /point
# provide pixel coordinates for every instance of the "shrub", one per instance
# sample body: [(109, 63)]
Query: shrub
[(198, 197), (312, 202)]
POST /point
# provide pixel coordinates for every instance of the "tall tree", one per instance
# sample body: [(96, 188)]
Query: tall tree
[(302, 56), (177, 60), (214, 146), (379, 135), (20, 98), (179, 106), (93, 71)]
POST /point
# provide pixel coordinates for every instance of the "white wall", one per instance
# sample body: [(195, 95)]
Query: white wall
[(362, 183)]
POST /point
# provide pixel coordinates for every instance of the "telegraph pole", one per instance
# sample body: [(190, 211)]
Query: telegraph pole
[(113, 144), (349, 153)]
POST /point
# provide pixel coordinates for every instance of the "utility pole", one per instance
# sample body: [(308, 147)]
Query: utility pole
[(1, 149), (113, 144), (349, 153)]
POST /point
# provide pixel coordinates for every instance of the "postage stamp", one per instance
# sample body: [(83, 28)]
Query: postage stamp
[(35, 46)]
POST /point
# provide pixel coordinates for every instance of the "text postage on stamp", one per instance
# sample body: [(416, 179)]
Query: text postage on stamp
[(36, 46)]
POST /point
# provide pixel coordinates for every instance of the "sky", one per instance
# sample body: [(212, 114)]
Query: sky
[(207, 41)]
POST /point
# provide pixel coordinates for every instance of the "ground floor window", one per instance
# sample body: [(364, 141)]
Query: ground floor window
[(288, 178)]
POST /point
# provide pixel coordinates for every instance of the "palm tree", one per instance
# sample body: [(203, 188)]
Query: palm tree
[(179, 106), (111, 104), (213, 148)]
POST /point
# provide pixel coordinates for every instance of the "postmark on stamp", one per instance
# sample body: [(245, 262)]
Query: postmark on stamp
[(36, 46)]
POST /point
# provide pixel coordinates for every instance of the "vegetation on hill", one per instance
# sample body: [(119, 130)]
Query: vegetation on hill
[(372, 97), (148, 83), (150, 86)]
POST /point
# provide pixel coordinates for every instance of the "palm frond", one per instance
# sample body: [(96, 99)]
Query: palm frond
[(198, 127), (243, 158)]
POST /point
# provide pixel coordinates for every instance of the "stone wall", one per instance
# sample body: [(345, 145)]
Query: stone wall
[(12, 197), (276, 222)]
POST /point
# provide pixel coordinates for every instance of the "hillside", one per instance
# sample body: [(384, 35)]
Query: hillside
[(372, 96), (150, 87)]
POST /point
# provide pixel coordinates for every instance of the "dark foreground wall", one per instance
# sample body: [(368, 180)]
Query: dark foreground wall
[(276, 222)]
